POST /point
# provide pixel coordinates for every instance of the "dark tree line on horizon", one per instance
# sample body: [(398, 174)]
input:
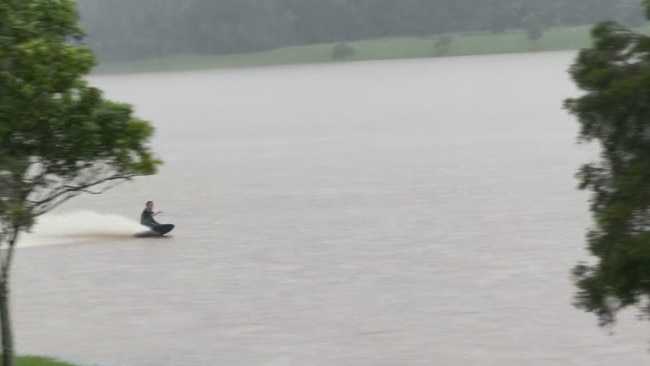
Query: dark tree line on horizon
[(123, 30)]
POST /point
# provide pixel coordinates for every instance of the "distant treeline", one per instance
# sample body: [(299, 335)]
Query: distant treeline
[(124, 30)]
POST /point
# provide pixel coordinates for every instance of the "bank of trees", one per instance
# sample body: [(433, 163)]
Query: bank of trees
[(120, 30)]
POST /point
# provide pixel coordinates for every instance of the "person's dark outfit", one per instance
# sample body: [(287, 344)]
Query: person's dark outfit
[(147, 219)]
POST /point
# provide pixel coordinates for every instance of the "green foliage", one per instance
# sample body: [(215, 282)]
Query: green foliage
[(342, 51), (58, 136), (614, 111)]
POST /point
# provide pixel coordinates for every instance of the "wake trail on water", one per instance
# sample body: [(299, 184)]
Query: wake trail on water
[(78, 226)]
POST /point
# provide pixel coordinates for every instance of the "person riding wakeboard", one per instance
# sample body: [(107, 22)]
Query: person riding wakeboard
[(146, 218)]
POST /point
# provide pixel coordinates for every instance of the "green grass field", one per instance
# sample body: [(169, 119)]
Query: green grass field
[(555, 39), (40, 361)]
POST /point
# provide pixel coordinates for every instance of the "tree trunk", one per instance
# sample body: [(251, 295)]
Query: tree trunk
[(8, 357), (5, 323)]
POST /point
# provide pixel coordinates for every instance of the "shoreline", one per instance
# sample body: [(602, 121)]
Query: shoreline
[(456, 45)]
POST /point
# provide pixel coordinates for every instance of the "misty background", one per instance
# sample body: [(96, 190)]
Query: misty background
[(127, 30)]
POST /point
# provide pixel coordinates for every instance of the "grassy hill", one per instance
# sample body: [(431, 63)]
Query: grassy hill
[(555, 39)]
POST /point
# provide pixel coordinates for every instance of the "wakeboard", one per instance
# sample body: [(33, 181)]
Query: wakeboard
[(159, 230)]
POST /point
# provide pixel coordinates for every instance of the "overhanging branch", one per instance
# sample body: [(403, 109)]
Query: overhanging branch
[(66, 191)]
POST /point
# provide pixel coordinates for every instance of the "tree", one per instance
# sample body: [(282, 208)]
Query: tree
[(614, 111), (533, 26), (58, 136), (342, 51), (441, 44)]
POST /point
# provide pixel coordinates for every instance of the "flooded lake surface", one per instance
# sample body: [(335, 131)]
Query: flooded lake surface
[(415, 212)]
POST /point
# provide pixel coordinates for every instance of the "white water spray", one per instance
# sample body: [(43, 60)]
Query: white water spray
[(77, 226)]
